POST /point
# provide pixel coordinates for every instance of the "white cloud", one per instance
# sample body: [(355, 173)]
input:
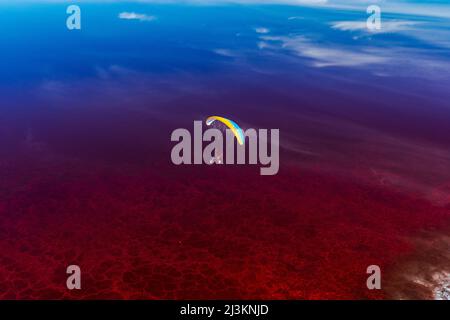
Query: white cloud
[(386, 26), (136, 16), (413, 8), (326, 56), (432, 32), (262, 30), (225, 53), (384, 61)]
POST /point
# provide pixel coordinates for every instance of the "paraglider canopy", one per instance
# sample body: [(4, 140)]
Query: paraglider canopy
[(233, 126)]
